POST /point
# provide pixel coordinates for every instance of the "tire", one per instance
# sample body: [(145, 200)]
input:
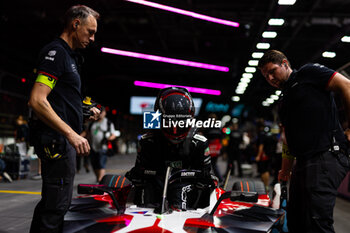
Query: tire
[(115, 181), (249, 186)]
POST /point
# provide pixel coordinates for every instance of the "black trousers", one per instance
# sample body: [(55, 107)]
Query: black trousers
[(313, 191), (57, 190)]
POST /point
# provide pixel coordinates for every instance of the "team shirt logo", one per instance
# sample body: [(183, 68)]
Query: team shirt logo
[(52, 53)]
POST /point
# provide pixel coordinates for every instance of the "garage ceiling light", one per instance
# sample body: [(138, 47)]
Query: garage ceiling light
[(253, 62), (345, 39), (247, 75), (263, 45), (245, 80), (286, 2), (235, 98), (328, 54), (276, 22), (269, 34), (240, 91), (250, 69), (266, 104), (242, 85), (185, 12), (190, 89), (257, 55), (165, 59), (270, 101), (274, 97)]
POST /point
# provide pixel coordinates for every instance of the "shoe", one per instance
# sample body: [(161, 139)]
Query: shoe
[(36, 177), (7, 177)]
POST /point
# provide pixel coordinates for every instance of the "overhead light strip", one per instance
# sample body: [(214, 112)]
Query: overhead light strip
[(185, 12), (190, 89), (165, 59)]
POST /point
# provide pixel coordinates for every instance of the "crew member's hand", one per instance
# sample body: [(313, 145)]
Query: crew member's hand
[(347, 134), (80, 144), (96, 114), (257, 158), (283, 175)]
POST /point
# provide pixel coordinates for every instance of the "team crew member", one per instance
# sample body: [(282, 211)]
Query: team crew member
[(177, 147), (57, 103), (314, 136)]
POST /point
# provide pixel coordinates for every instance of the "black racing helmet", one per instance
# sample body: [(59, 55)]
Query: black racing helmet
[(175, 104)]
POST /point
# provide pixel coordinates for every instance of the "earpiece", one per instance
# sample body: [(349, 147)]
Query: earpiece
[(285, 65), (76, 25)]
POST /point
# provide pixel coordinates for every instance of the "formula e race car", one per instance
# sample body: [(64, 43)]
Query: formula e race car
[(109, 207)]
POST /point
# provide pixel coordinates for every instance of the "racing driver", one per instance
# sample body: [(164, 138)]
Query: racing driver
[(177, 147)]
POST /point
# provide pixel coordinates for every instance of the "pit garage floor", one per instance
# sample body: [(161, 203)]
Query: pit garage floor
[(18, 199)]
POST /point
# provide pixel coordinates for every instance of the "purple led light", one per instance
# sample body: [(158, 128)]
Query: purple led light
[(184, 12), (165, 59), (190, 89)]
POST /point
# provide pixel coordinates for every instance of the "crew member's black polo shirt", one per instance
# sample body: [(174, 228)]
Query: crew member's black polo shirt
[(308, 111), (58, 68)]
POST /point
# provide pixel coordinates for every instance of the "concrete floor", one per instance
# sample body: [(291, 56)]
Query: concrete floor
[(16, 209)]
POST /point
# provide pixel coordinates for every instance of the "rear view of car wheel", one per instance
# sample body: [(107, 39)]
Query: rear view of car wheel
[(115, 181)]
